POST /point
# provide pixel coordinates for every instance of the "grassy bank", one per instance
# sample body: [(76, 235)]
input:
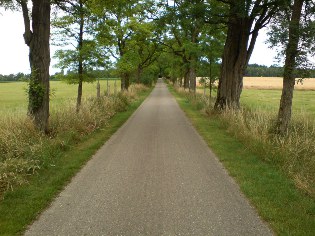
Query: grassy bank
[(277, 181), (55, 159)]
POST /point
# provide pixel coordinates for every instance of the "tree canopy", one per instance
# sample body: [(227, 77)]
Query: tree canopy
[(141, 40)]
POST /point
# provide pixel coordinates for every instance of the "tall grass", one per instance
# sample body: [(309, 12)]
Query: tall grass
[(294, 153), (24, 150)]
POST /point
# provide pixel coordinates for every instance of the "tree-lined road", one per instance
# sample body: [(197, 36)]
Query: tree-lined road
[(155, 176)]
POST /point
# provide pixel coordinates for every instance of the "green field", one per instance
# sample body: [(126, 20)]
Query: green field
[(13, 96), (303, 101), (269, 100)]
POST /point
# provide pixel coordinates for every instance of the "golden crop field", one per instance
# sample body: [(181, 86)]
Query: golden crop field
[(272, 83), (265, 93), (276, 83)]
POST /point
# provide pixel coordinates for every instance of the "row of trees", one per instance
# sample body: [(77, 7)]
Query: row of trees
[(228, 31), (93, 33), (255, 70), (203, 70), (175, 39), (14, 77)]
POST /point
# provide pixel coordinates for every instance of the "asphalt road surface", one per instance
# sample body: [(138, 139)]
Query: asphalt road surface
[(155, 176)]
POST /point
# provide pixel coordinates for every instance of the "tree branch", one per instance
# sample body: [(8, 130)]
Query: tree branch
[(27, 23)]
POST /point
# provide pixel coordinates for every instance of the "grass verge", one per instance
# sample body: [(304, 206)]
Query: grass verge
[(288, 210), (22, 205)]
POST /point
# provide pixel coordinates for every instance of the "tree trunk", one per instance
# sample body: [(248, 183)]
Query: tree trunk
[(193, 58), (192, 75), (139, 73), (186, 79), (234, 62), (210, 78), (243, 27), (210, 88), (125, 82), (80, 66), (79, 97), (80, 85), (98, 89), (39, 57), (285, 109)]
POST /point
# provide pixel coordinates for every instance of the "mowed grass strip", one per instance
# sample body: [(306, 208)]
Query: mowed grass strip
[(22, 205), (274, 195)]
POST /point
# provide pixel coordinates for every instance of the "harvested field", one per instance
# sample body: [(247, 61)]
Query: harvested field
[(273, 83), (276, 83)]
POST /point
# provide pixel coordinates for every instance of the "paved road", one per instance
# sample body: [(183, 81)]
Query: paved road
[(155, 176)]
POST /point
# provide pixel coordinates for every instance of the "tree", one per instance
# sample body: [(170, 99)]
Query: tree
[(244, 20), (298, 41), (171, 67), (212, 41), (114, 33), (37, 39), (185, 21), (6, 3), (145, 45), (254, 70), (74, 29)]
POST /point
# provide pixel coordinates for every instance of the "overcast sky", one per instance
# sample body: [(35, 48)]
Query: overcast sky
[(14, 52)]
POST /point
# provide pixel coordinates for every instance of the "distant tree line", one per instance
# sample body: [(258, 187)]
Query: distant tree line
[(94, 74), (14, 77), (255, 70), (20, 77)]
